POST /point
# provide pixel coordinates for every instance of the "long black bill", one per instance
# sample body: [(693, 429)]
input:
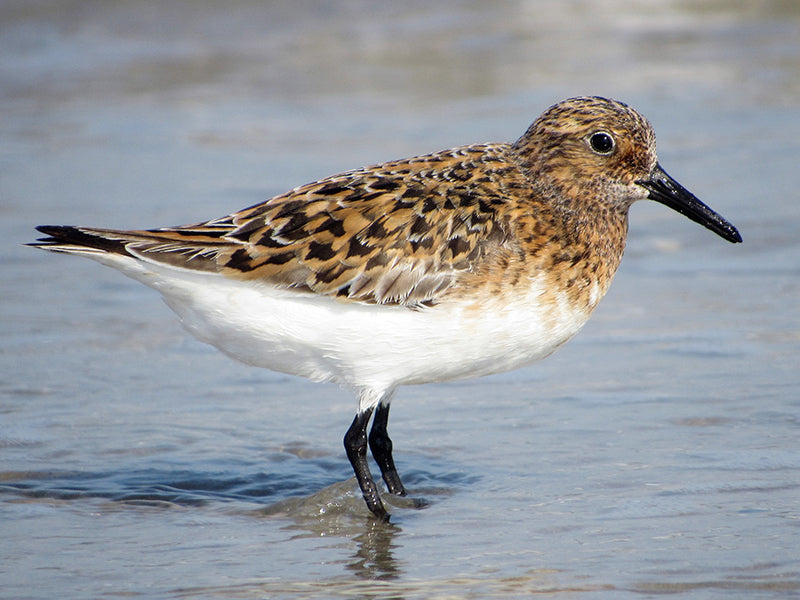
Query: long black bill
[(666, 190)]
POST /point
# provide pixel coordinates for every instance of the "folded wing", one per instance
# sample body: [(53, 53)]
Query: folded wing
[(399, 233)]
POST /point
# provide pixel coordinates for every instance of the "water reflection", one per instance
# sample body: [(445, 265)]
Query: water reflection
[(338, 512), (374, 558)]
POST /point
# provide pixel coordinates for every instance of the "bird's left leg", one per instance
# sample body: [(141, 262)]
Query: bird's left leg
[(381, 447)]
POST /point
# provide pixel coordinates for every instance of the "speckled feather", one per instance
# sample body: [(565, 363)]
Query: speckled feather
[(416, 231)]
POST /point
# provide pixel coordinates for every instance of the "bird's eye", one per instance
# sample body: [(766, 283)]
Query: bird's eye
[(601, 142)]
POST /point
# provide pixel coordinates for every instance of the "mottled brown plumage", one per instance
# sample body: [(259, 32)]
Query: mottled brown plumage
[(414, 231)]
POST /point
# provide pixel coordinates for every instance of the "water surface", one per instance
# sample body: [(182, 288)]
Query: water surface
[(656, 453)]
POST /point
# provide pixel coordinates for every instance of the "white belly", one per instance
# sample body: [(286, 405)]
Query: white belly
[(364, 346)]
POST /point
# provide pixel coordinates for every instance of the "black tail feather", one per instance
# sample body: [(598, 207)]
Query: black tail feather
[(67, 235)]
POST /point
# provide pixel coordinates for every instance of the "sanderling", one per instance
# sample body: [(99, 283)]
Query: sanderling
[(465, 262)]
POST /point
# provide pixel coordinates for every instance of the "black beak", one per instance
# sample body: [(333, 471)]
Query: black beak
[(666, 190)]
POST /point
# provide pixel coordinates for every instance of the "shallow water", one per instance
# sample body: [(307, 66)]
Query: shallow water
[(656, 453)]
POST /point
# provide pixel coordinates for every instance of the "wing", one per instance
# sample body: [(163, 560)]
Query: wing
[(398, 233)]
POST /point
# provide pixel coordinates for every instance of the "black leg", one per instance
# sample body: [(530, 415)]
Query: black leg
[(355, 444), (381, 447)]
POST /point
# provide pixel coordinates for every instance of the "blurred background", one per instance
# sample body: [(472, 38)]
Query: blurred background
[(657, 452)]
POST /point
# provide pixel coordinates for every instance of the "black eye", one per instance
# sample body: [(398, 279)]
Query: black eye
[(601, 142)]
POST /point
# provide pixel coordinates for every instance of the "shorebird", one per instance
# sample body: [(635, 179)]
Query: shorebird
[(461, 263)]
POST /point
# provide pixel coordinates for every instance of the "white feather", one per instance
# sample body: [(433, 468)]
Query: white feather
[(372, 348)]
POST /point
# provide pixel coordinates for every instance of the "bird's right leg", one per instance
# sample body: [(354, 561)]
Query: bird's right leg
[(355, 444)]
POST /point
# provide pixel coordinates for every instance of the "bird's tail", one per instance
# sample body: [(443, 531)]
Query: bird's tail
[(81, 240)]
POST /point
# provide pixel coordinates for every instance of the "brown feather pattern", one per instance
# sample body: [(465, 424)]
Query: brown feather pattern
[(403, 232), (472, 221)]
